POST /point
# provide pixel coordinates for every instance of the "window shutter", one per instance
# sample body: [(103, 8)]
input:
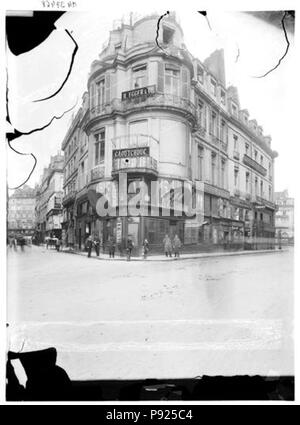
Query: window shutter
[(184, 83), (160, 77), (107, 88)]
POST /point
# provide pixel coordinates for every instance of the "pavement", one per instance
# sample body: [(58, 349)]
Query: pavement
[(228, 315), (183, 256)]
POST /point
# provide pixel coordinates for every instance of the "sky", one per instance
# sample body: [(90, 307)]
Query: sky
[(257, 44)]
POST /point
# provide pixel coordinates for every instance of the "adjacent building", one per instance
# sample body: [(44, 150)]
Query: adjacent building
[(156, 113), (49, 200), (284, 219), (21, 212)]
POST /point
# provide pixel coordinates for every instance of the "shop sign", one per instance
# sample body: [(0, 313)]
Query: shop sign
[(131, 153), (119, 231), (142, 91)]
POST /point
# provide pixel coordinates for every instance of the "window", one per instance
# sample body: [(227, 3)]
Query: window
[(200, 163), (234, 110), (247, 148), (223, 97), (168, 34), (235, 142), (213, 87), (255, 155), (223, 174), (139, 76), (270, 169), (100, 93), (200, 74), (223, 135), (256, 186), (270, 193), (213, 123), (236, 177), (99, 147), (261, 188), (213, 168), (246, 119), (261, 160), (118, 47), (201, 113), (247, 182), (172, 79)]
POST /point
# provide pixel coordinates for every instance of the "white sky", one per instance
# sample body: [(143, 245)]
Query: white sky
[(38, 73)]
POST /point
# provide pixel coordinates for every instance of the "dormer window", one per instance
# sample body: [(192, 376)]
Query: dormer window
[(200, 74), (168, 34), (213, 86), (118, 47), (234, 109)]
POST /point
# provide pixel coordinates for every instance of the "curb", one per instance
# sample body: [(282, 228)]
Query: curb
[(191, 257)]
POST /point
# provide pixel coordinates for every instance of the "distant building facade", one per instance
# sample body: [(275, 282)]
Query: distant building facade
[(21, 211), (284, 219), (190, 127), (49, 200)]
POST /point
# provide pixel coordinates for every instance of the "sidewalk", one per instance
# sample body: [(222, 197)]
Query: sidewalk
[(189, 256)]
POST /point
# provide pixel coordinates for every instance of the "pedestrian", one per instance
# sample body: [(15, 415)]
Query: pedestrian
[(129, 248), (97, 245), (89, 245), (176, 245), (22, 243), (57, 244), (167, 246), (111, 247), (146, 248)]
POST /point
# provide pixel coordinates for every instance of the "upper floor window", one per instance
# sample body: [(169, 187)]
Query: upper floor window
[(213, 87), (247, 148), (236, 176), (168, 35), (261, 160), (200, 74), (223, 131), (99, 147), (255, 155), (100, 91), (139, 76), (213, 123), (172, 74), (201, 113), (118, 47), (223, 97), (235, 142), (200, 162)]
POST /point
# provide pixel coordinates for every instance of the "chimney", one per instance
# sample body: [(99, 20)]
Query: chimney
[(216, 65)]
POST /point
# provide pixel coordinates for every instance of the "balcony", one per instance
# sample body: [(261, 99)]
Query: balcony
[(247, 160), (69, 197), (218, 143), (97, 172), (137, 153), (146, 97)]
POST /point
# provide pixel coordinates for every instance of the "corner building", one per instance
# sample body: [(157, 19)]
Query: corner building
[(143, 94)]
